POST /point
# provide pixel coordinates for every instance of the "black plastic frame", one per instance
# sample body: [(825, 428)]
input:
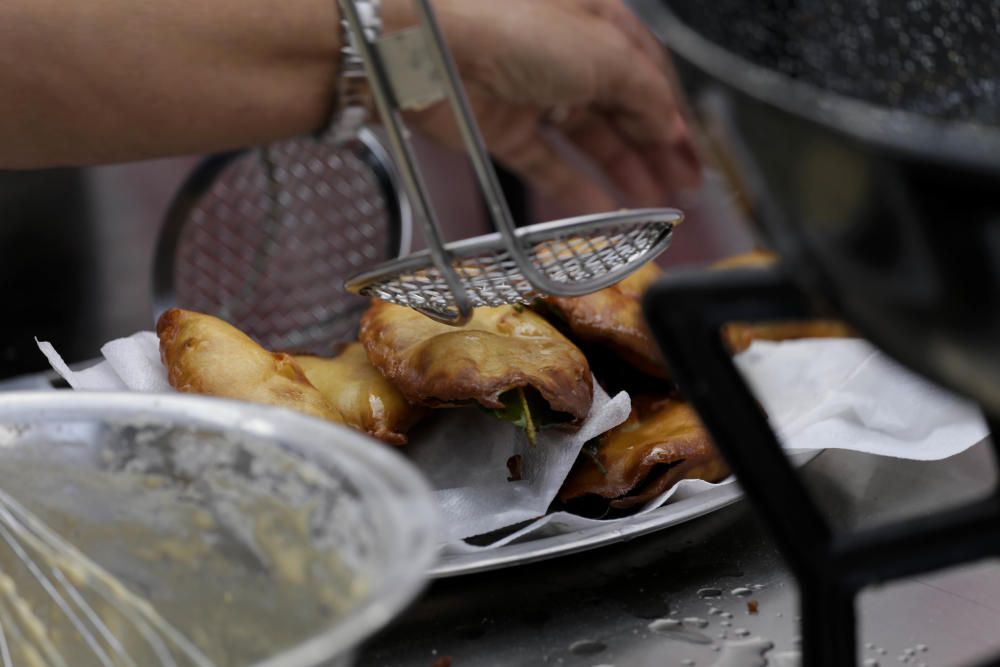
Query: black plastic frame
[(685, 312)]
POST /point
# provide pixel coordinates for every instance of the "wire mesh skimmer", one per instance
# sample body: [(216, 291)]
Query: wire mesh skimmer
[(412, 69)]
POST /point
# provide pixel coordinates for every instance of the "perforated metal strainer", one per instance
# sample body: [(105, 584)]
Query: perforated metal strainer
[(265, 241)]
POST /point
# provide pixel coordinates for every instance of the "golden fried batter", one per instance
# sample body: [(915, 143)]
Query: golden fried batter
[(747, 260), (661, 443), (739, 335), (613, 317), (204, 355), (367, 400), (500, 349)]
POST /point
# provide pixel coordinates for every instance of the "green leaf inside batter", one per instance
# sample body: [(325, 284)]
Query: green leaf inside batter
[(528, 410)]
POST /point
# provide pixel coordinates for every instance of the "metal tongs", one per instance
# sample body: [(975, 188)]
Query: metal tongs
[(412, 69)]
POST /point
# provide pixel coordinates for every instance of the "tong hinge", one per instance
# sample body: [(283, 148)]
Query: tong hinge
[(405, 57)]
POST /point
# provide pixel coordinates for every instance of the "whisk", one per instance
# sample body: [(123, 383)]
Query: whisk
[(59, 608), (411, 69)]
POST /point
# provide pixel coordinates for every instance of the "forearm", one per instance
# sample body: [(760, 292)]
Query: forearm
[(115, 80)]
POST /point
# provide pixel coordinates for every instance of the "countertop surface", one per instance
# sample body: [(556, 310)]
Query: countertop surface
[(686, 596)]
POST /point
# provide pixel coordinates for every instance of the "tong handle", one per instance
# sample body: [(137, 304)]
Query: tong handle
[(412, 69), (389, 107), (489, 184)]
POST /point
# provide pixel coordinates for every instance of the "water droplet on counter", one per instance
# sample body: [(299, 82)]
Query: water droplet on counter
[(706, 593), (741, 632), (870, 646), (869, 662), (880, 651), (785, 659), (742, 591), (671, 628), (726, 614), (779, 615), (587, 647), (722, 635), (757, 587), (909, 652), (696, 622), (661, 624), (725, 624), (922, 648), (687, 662), (744, 653), (714, 611)]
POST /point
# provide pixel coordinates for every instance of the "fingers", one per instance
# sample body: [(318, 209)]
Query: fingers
[(616, 13), (526, 151), (637, 98), (625, 166), (633, 95)]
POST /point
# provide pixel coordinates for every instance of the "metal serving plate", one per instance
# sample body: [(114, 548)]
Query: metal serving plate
[(612, 531)]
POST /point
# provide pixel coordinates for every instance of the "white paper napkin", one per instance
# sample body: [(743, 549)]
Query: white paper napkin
[(464, 453), (845, 394), (818, 393)]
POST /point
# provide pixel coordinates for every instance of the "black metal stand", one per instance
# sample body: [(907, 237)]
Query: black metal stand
[(685, 312)]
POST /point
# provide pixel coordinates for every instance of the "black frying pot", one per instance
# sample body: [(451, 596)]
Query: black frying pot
[(866, 134)]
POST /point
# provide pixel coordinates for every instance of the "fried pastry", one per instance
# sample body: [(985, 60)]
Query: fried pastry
[(738, 336), (753, 259), (612, 317), (204, 355), (367, 401), (661, 443), (499, 351)]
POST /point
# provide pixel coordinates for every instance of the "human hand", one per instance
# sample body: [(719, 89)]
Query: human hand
[(585, 69)]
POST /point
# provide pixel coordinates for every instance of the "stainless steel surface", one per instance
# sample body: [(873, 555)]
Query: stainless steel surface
[(601, 607), (534, 548), (577, 257), (584, 253), (363, 501), (267, 244)]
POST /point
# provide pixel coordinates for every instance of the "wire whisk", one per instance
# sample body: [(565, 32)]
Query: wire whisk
[(59, 608)]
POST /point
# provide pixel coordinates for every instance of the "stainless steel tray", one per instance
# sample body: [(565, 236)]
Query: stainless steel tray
[(610, 532)]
